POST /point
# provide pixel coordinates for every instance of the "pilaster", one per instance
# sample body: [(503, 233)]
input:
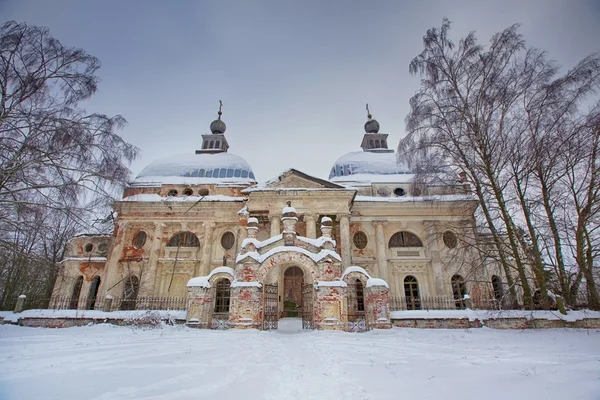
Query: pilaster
[(345, 239), (207, 248), (381, 250)]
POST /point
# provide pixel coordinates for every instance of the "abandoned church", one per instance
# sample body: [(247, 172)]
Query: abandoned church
[(198, 232)]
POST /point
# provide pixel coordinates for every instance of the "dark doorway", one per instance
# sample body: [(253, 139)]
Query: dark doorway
[(91, 301), (293, 279)]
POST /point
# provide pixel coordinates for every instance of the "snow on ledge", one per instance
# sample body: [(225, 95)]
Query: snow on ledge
[(261, 257), (204, 281), (331, 284), (494, 314), (154, 198), (257, 243), (237, 283), (93, 314), (319, 242), (377, 282), (355, 268)]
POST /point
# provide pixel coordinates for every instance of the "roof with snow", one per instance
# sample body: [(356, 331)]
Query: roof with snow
[(369, 166), (197, 169)]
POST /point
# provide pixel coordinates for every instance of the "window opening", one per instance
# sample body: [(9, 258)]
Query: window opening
[(404, 239), (184, 239)]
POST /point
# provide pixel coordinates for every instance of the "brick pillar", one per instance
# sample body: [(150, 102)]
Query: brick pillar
[(330, 306), (149, 280), (377, 306), (246, 309), (199, 309)]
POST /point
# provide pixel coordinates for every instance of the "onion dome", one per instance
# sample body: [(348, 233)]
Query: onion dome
[(218, 126)]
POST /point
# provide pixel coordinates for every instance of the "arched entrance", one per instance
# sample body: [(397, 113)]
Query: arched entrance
[(293, 279)]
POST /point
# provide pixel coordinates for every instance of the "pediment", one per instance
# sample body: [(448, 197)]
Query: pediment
[(295, 179)]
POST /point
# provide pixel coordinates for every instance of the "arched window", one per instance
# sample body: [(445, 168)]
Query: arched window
[(497, 285), (371, 144), (211, 144), (222, 296), (405, 239), (75, 293), (459, 290), (411, 292), (205, 144), (91, 300), (218, 144), (377, 144), (360, 296), (184, 239), (130, 293)]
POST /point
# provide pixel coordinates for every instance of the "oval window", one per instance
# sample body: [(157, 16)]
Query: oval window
[(139, 240), (227, 240), (88, 248), (172, 193), (450, 239), (102, 247), (188, 191), (360, 240)]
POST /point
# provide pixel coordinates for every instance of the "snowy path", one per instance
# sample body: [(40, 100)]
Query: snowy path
[(107, 362)]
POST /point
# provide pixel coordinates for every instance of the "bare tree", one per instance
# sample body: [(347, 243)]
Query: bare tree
[(503, 118), (53, 154)]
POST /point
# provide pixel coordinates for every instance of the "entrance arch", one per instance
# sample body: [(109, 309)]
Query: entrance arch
[(293, 279)]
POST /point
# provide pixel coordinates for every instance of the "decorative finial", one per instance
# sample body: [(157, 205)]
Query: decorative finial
[(218, 126), (371, 126), (289, 203)]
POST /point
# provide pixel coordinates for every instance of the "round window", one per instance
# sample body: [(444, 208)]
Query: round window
[(383, 192), (399, 192), (88, 248), (188, 192), (139, 240), (102, 247), (450, 239), (172, 192), (360, 240), (227, 240)]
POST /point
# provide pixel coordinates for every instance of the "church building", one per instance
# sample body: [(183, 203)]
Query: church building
[(200, 230)]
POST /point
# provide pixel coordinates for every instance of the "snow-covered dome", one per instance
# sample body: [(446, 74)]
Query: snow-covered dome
[(360, 163), (198, 169)]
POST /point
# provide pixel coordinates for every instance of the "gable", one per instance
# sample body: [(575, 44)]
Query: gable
[(296, 179)]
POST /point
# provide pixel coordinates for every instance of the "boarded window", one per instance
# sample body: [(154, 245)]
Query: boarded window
[(404, 239), (184, 239)]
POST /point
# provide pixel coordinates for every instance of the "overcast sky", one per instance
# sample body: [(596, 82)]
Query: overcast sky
[(294, 76)]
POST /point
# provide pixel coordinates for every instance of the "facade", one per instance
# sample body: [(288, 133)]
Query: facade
[(248, 253)]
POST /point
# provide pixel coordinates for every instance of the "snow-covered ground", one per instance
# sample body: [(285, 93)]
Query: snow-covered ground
[(109, 362)]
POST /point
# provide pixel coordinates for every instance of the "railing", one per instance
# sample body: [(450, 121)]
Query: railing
[(70, 303), (447, 303)]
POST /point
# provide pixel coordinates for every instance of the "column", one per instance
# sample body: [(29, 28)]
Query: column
[(381, 250), (311, 226), (436, 262), (207, 248), (275, 221), (111, 268), (149, 281), (345, 239)]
